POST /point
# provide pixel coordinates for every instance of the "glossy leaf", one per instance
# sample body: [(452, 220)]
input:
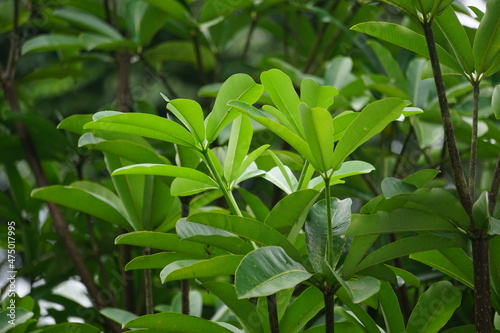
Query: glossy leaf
[(401, 219), (316, 228), (244, 311), (391, 310), (247, 228), (362, 289), (87, 21), (351, 168), (404, 247), (434, 308), (481, 212), (266, 271), (239, 143), (452, 262), (486, 47), (405, 38), (186, 187), (342, 122), (190, 114), (21, 316), (176, 322), (358, 249), (167, 242), (118, 315), (373, 119), (97, 204), (157, 260), (189, 269), (314, 95), (302, 310), (239, 87), (392, 187), (318, 131), (143, 21), (390, 65), (279, 86), (145, 125), (51, 42), (495, 101)]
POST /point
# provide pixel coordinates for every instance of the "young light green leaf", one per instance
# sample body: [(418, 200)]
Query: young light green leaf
[(266, 271), (314, 95), (434, 308), (458, 39), (373, 119), (452, 262), (486, 48), (118, 315), (189, 112), (279, 86), (146, 125), (299, 144), (239, 143), (239, 87), (166, 170), (318, 130), (189, 269), (175, 322), (407, 39), (302, 310), (342, 122), (351, 168)]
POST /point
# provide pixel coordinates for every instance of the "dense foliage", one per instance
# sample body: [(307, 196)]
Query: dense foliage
[(319, 166)]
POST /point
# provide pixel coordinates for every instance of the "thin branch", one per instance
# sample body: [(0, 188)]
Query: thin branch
[(456, 163), (251, 30)]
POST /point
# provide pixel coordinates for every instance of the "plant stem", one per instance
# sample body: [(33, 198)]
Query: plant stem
[(233, 206), (482, 300), (449, 131), (473, 148), (253, 24), (272, 309), (329, 237), (329, 307)]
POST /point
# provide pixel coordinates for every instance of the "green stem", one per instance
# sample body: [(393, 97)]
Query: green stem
[(473, 148), (329, 239), (233, 206)]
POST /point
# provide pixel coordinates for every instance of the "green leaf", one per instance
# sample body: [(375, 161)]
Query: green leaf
[(458, 39), (266, 271), (88, 22), (481, 212), (406, 38), (244, 311), (20, 316), (390, 65), (143, 21), (146, 125), (316, 228), (373, 119), (434, 308), (404, 247), (166, 170), (255, 206), (186, 187), (351, 168), (338, 72), (392, 187), (189, 112), (239, 143), (318, 131), (342, 122), (279, 86), (495, 101), (239, 87), (51, 42), (357, 251), (75, 123), (360, 314), (82, 200), (174, 9), (93, 41), (362, 289), (118, 315), (391, 309), (399, 220), (71, 327), (452, 262), (486, 47), (247, 228), (167, 242), (211, 236), (189, 269), (314, 95), (289, 214), (280, 130), (157, 260), (176, 322), (302, 310), (422, 177)]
